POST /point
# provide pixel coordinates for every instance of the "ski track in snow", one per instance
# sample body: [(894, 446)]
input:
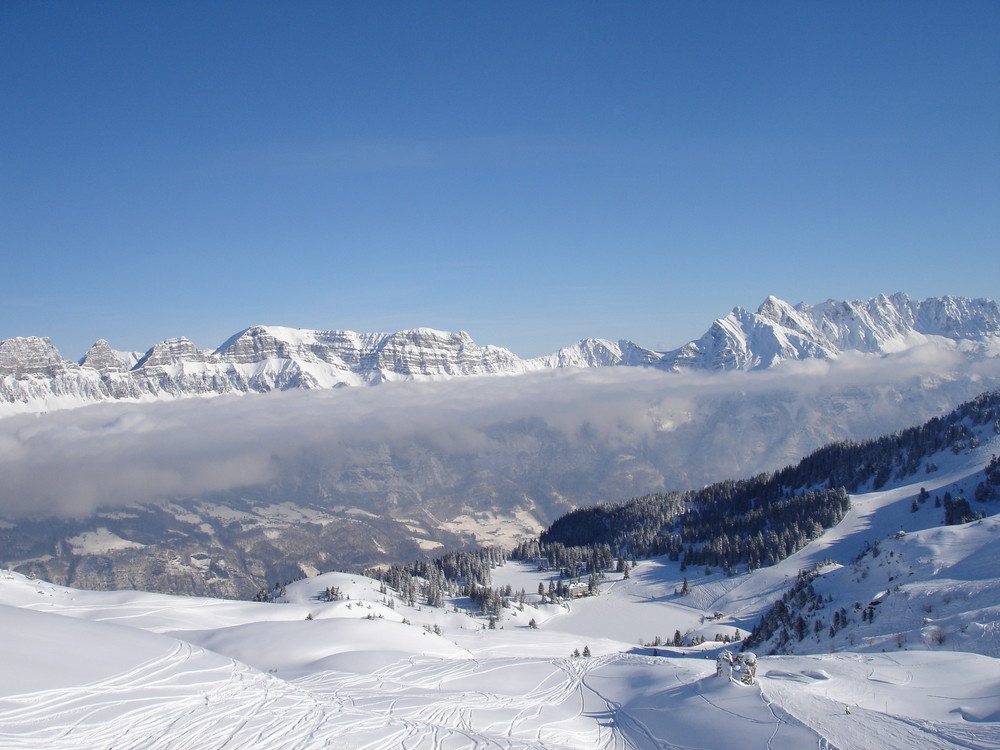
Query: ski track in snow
[(189, 699), (840, 730), (176, 702), (173, 702)]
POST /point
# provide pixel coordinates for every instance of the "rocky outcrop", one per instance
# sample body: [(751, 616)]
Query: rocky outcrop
[(105, 359), (31, 356)]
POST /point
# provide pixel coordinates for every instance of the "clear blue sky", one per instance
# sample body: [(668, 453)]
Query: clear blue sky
[(532, 173)]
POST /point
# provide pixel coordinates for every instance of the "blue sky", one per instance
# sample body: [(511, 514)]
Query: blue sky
[(532, 173)]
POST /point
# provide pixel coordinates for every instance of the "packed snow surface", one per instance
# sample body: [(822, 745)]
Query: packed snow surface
[(126, 669), (129, 670)]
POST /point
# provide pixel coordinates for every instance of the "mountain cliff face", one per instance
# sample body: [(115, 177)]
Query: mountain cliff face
[(34, 377), (105, 359)]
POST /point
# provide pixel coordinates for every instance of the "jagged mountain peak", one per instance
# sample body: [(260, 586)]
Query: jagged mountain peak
[(103, 358), (269, 357), (884, 324), (173, 351), (30, 355), (774, 308)]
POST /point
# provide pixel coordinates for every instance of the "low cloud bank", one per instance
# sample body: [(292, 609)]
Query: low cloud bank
[(692, 427)]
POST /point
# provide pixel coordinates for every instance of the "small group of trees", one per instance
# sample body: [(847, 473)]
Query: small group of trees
[(785, 622), (464, 573), (274, 592), (957, 510), (687, 639), (920, 499), (989, 488), (740, 668)]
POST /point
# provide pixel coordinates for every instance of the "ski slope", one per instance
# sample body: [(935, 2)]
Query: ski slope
[(73, 683), (88, 669)]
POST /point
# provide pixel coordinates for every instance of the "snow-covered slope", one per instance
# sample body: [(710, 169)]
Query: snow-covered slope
[(365, 668), (34, 377), (134, 670), (600, 353), (891, 576)]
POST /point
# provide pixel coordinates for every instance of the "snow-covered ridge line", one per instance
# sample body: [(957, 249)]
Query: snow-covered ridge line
[(33, 375)]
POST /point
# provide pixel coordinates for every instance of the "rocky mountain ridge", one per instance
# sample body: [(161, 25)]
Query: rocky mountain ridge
[(35, 377)]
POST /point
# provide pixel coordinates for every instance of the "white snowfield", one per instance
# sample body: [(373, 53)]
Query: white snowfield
[(86, 669)]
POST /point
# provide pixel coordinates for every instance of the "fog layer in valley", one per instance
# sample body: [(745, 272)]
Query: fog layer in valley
[(219, 496), (543, 441)]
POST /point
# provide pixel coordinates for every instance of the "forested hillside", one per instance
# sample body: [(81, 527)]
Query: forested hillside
[(751, 522), (761, 520)]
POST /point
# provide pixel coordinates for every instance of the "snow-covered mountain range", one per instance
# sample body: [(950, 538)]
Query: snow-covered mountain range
[(34, 376)]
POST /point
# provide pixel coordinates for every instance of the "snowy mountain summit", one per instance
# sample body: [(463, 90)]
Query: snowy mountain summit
[(33, 375), (883, 325), (777, 332)]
